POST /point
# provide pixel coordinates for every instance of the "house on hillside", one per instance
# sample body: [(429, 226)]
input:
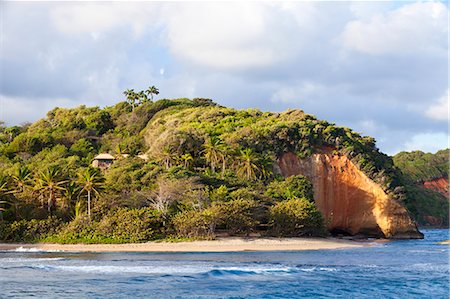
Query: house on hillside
[(103, 161)]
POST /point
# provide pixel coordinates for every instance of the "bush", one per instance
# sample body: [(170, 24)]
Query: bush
[(296, 186), (131, 225), (28, 230), (196, 223), (296, 217), (237, 216)]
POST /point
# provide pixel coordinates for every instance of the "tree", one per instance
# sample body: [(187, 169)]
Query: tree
[(247, 164), (166, 156), (141, 97), (131, 97), (186, 159), (50, 182), (214, 151), (3, 196), (296, 217), (22, 178), (90, 181), (151, 91), (70, 193)]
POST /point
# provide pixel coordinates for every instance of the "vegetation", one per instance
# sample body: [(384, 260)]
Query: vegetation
[(418, 166), (428, 207), (207, 170)]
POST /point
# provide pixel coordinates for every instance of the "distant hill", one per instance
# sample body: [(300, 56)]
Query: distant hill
[(425, 176)]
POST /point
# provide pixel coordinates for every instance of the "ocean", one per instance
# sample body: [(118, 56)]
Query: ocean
[(386, 269)]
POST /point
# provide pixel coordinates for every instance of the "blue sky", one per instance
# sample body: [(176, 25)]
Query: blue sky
[(380, 68)]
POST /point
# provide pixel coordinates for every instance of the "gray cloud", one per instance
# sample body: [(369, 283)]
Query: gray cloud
[(272, 56)]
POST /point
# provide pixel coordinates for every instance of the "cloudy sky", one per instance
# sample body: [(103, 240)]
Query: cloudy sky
[(380, 68)]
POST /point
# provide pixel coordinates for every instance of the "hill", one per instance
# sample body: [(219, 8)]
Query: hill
[(191, 168), (425, 176)]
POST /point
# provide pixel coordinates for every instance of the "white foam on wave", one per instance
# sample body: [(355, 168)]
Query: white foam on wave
[(312, 269), (29, 260), (168, 270), (31, 249)]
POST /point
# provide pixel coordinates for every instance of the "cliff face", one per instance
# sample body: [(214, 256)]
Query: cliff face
[(440, 185), (349, 201)]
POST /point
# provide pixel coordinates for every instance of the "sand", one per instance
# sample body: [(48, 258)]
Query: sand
[(219, 245)]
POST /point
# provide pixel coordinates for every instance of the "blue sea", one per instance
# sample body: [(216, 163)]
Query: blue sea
[(386, 269)]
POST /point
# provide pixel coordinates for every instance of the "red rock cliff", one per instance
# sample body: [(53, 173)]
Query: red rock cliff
[(440, 185), (349, 200)]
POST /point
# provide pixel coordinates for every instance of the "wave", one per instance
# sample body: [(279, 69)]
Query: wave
[(29, 249), (206, 270), (28, 260)]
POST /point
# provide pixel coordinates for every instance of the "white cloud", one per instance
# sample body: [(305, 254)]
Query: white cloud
[(412, 28), (439, 110), (97, 17), (16, 110), (231, 36), (302, 92), (428, 142)]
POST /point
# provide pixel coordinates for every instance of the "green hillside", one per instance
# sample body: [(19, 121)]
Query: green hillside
[(209, 170), (418, 167)]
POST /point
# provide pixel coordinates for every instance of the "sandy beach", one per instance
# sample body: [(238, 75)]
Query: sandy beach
[(219, 245)]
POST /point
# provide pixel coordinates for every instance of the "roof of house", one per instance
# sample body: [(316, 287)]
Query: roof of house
[(104, 157)]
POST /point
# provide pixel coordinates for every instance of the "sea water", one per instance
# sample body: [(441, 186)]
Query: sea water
[(385, 269)]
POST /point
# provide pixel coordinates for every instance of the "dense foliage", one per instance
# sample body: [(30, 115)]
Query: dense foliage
[(186, 168), (419, 166), (428, 207)]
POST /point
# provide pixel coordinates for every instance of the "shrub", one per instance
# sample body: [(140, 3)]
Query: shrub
[(28, 230), (131, 225), (196, 223), (237, 216), (296, 217), (296, 186)]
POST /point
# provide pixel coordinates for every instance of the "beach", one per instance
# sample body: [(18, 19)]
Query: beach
[(219, 245)]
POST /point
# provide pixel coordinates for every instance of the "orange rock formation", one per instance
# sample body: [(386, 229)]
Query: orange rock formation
[(350, 201), (440, 185)]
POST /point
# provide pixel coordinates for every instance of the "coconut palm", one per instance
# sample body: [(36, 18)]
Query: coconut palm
[(214, 151), (151, 91), (247, 164), (166, 156), (49, 182), (266, 166), (3, 193), (70, 193), (141, 97), (187, 159), (22, 178), (90, 182), (131, 96)]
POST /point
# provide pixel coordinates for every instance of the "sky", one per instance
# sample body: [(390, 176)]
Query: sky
[(380, 68)]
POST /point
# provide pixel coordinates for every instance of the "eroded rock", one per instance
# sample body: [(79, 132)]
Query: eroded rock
[(350, 202)]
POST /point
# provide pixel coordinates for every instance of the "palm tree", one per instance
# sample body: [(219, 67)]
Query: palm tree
[(151, 91), (141, 97), (166, 156), (50, 182), (266, 166), (3, 192), (247, 164), (131, 96), (22, 178), (186, 158), (214, 151), (70, 192), (90, 181)]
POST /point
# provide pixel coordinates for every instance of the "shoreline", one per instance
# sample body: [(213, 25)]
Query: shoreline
[(219, 245)]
